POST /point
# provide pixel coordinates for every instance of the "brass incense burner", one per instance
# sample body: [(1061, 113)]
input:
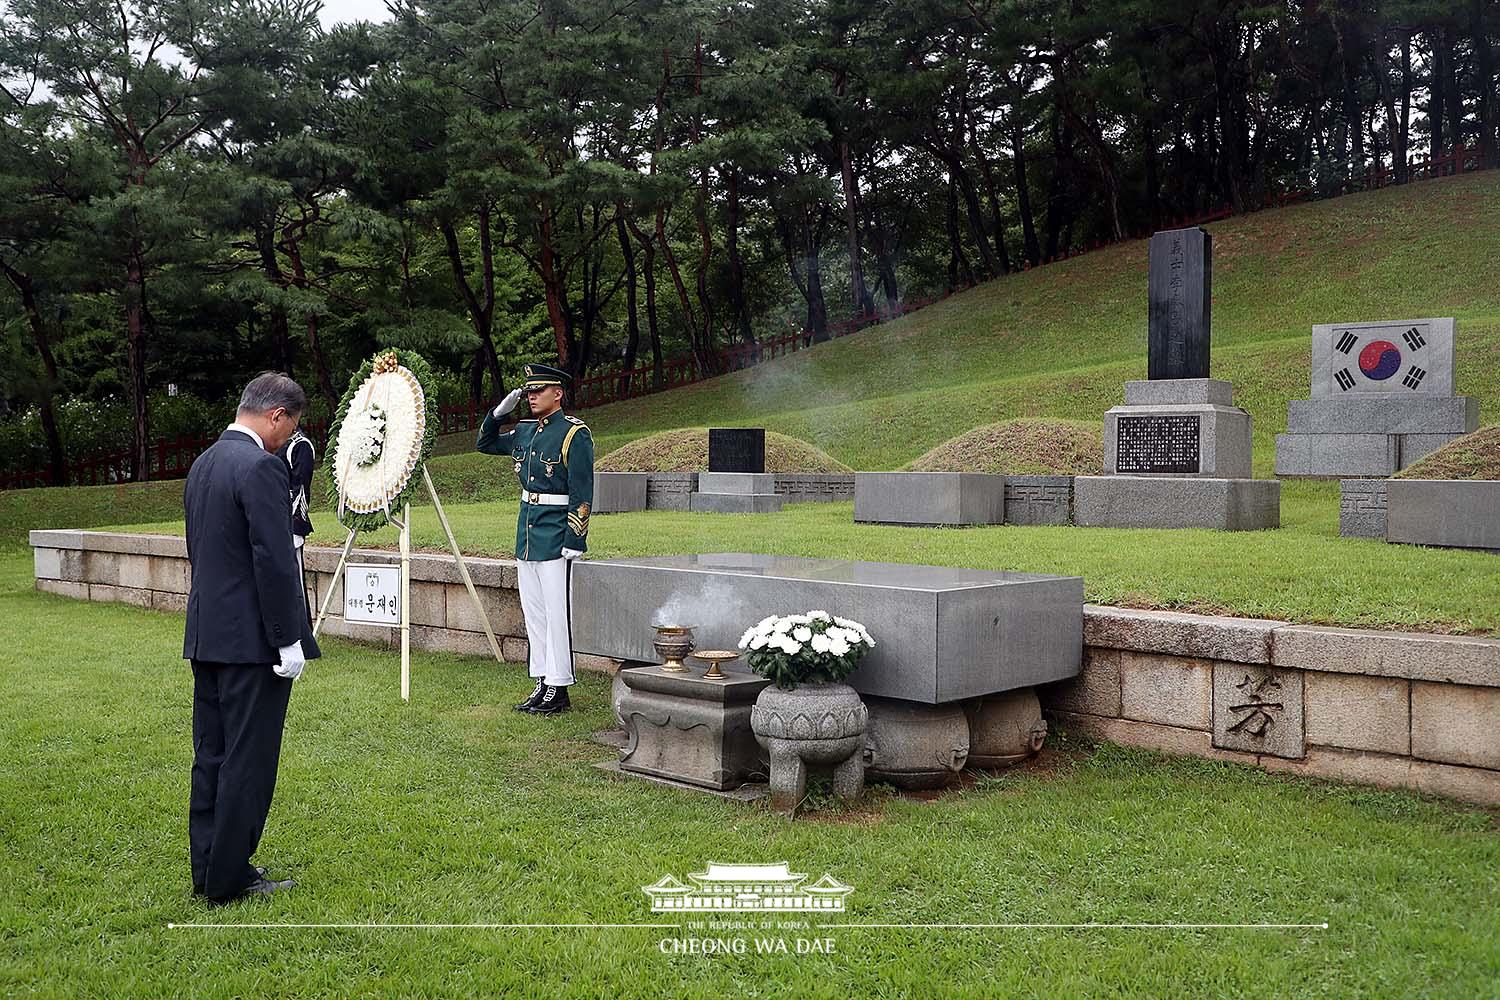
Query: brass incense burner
[(714, 657), (673, 643)]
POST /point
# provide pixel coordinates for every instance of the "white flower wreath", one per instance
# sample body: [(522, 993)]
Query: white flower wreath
[(380, 441)]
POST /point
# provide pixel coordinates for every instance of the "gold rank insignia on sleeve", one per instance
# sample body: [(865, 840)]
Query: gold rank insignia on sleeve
[(578, 520)]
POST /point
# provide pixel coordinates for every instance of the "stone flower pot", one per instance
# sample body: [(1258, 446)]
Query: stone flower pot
[(817, 724), (1005, 729), (913, 745)]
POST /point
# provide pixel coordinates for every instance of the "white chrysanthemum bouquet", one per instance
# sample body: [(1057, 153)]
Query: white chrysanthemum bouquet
[(368, 430), (814, 648)]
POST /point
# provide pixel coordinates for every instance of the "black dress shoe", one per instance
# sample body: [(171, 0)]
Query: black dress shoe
[(552, 701), (260, 872), (260, 887), (531, 699)]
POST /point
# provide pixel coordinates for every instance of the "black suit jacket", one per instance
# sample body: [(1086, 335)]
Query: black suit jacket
[(246, 600)]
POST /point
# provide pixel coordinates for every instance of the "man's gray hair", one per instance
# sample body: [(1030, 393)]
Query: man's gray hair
[(268, 390)]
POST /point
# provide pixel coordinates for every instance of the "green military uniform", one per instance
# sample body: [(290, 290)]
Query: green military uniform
[(554, 457), (554, 461)]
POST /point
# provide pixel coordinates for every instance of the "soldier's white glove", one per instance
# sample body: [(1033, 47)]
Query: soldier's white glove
[(292, 661), (571, 553), (507, 404)]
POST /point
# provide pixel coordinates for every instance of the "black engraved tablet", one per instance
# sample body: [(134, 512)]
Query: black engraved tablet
[(1157, 444)]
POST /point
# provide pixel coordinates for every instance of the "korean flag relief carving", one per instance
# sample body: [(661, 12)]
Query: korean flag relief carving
[(1381, 359)]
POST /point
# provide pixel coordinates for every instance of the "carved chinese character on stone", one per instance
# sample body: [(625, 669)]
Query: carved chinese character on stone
[(1258, 709), (1259, 712)]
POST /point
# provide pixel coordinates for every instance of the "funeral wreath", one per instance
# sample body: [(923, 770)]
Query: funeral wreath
[(381, 435)]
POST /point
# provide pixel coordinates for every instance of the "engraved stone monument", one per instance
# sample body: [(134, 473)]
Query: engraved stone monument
[(1177, 454), (1180, 287), (1382, 397), (736, 481)]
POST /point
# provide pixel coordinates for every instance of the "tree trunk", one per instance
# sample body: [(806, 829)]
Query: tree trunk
[(992, 195), (1438, 78), (281, 346), (858, 293), (480, 305), (1484, 74), (632, 320), (135, 365), (1403, 145), (958, 263), (555, 294), (653, 328), (1032, 248), (57, 462), (737, 305)]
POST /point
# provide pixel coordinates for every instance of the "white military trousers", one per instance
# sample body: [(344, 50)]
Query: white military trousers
[(547, 603)]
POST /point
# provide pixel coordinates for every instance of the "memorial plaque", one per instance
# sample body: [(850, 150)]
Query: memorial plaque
[(1180, 288), (1157, 443), (737, 449)]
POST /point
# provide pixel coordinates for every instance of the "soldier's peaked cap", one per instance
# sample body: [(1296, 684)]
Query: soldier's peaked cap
[(542, 376)]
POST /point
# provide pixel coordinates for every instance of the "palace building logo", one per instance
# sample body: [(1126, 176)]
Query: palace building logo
[(759, 888)]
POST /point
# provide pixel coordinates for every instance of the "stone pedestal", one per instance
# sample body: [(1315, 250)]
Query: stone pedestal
[(929, 498), (736, 493), (1152, 502), (688, 728), (1382, 397), (1177, 455)]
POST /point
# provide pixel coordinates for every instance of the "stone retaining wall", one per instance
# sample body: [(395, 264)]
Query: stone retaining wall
[(1384, 708), (151, 571)]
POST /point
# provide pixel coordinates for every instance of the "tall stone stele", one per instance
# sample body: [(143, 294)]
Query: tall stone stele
[(1177, 454), (1382, 397)]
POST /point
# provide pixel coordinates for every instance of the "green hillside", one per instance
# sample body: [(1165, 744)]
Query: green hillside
[(1060, 341)]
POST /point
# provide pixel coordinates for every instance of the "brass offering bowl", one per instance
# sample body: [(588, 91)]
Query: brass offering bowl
[(673, 643), (714, 657)]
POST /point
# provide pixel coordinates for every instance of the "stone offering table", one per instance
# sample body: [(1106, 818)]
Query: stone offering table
[(689, 728), (943, 634)]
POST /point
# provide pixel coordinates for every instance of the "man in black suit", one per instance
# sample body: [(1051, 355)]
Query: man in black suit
[(248, 635)]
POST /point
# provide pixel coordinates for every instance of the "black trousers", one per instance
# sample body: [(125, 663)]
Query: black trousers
[(239, 710)]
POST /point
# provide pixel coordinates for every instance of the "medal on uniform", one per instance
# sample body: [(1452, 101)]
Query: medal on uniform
[(518, 468), (550, 466)]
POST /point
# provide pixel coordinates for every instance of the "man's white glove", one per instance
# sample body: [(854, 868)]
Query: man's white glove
[(508, 403), (292, 661), (571, 553)]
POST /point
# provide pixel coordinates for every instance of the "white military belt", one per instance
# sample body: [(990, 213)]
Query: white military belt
[(545, 499)]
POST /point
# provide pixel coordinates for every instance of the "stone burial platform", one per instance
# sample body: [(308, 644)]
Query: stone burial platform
[(942, 634), (929, 498), (1453, 513)]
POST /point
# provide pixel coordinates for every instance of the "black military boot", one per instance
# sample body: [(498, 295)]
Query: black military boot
[(531, 699), (552, 701)]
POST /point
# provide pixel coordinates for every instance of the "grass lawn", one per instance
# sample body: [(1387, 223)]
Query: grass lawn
[(453, 809), (1303, 572)]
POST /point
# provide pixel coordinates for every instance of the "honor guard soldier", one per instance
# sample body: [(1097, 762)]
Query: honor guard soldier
[(553, 456), (300, 457)]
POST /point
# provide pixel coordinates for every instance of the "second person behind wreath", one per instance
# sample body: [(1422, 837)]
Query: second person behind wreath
[(552, 456)]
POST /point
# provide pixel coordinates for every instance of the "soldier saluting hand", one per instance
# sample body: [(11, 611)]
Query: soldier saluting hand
[(553, 456)]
